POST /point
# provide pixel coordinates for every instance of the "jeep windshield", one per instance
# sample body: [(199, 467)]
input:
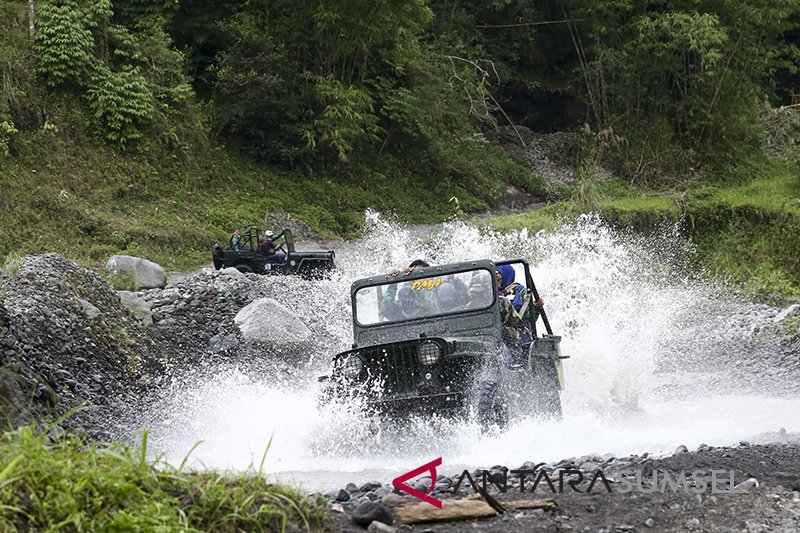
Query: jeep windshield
[(437, 295)]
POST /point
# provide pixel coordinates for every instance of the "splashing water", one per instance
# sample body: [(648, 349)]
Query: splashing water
[(660, 356)]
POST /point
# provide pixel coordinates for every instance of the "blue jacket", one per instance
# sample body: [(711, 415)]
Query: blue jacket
[(507, 274)]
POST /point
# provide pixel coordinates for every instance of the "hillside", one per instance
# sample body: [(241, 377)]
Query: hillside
[(154, 129)]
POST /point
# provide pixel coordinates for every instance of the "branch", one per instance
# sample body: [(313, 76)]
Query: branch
[(30, 18), (484, 76), (522, 24)]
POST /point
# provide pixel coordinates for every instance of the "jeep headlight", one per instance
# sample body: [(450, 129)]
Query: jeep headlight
[(352, 366), (429, 353)]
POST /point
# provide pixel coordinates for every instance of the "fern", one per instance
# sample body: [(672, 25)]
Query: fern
[(64, 42), (121, 102)]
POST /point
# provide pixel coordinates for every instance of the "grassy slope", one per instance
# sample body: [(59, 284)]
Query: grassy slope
[(88, 203), (73, 486), (746, 224)]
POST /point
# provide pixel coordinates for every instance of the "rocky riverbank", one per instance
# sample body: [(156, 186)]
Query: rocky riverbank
[(747, 488), (69, 340)]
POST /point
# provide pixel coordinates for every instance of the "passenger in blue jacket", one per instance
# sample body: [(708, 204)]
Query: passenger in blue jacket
[(517, 293)]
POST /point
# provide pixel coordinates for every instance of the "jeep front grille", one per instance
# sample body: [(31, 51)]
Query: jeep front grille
[(397, 366)]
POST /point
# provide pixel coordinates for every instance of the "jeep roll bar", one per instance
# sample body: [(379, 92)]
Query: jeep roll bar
[(529, 282)]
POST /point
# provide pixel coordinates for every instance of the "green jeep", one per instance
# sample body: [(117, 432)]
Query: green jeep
[(246, 257), (434, 341)]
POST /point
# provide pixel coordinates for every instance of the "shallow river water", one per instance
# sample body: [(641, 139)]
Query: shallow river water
[(661, 355)]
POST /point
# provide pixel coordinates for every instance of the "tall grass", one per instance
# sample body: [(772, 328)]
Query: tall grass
[(72, 485)]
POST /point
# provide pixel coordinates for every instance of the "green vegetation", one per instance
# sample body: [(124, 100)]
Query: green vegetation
[(154, 128), (74, 486), (746, 224)]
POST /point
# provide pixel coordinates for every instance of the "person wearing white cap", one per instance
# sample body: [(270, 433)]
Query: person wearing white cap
[(268, 249)]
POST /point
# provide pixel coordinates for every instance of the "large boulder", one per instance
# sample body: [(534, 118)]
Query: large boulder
[(266, 320), (144, 274)]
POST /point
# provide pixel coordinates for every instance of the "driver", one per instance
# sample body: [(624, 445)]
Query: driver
[(268, 249), (408, 305)]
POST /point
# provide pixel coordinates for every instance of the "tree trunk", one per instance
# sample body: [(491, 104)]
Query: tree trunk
[(30, 18)]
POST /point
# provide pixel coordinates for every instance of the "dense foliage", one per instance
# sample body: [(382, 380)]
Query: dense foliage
[(123, 121), (327, 85)]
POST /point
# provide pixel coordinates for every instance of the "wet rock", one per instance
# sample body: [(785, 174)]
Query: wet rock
[(352, 488), (681, 449), (145, 274), (370, 511), (370, 486), (342, 496), (266, 320), (222, 343), (382, 492)]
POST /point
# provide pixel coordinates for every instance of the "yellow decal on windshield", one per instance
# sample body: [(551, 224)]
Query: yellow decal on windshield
[(429, 284)]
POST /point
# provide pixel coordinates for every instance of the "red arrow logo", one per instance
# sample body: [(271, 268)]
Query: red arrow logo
[(399, 482)]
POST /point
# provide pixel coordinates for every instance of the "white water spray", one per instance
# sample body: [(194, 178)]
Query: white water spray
[(659, 357)]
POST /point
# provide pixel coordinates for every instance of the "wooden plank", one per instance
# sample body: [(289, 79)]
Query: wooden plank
[(417, 512), (547, 504)]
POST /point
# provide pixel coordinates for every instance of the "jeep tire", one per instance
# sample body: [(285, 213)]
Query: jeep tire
[(490, 407), (244, 268)]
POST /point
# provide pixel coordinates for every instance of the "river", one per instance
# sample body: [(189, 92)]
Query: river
[(661, 354)]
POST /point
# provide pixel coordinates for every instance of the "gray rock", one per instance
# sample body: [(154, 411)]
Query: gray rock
[(231, 272), (746, 486), (222, 343), (369, 512), (266, 320), (145, 274), (342, 496), (681, 449), (170, 295), (14, 408), (89, 310), (786, 312), (383, 491), (756, 527), (370, 486), (138, 306), (379, 527)]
